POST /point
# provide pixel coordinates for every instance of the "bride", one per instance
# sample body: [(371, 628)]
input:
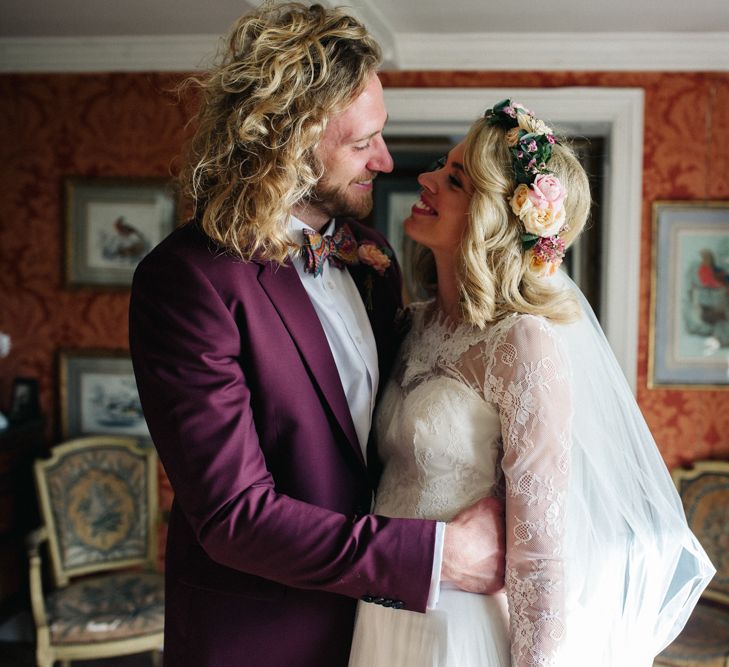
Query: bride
[(505, 386)]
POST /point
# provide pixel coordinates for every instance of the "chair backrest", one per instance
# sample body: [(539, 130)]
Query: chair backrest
[(98, 500), (704, 491)]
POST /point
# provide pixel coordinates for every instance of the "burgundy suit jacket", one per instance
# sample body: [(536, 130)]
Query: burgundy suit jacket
[(270, 543)]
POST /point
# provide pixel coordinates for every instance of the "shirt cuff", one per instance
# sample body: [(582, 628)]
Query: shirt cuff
[(437, 562)]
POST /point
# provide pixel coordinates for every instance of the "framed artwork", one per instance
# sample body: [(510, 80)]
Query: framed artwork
[(111, 225), (99, 394), (689, 345)]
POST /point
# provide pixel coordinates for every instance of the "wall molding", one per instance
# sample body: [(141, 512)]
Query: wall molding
[(176, 53), (403, 51), (566, 52), (615, 113)]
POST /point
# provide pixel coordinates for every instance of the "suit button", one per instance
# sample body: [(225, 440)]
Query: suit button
[(367, 598), (378, 600), (388, 603), (397, 604)]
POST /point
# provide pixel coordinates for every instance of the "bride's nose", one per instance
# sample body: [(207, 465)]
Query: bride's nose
[(428, 181)]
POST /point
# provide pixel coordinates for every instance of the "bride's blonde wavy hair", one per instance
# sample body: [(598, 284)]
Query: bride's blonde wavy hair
[(493, 269), (286, 70)]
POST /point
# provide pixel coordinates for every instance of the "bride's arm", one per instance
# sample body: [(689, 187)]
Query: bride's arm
[(528, 381)]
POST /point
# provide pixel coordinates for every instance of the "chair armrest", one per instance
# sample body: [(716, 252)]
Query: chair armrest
[(32, 543), (34, 539)]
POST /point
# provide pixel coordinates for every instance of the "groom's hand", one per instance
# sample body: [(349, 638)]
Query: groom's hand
[(474, 548)]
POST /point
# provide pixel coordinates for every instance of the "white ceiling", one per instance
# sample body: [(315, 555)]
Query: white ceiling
[(434, 33), (73, 18)]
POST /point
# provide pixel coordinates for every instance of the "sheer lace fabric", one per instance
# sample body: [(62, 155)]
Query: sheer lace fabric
[(471, 413)]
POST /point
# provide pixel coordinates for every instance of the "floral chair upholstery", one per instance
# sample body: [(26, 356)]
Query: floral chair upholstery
[(98, 500), (704, 490)]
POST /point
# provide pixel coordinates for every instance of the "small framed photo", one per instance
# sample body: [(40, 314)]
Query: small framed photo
[(24, 401), (99, 394), (689, 343), (110, 225)]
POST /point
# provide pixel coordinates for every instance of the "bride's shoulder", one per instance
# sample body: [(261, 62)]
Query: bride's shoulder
[(522, 330), (526, 324)]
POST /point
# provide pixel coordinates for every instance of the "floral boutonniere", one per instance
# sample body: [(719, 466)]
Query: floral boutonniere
[(377, 257)]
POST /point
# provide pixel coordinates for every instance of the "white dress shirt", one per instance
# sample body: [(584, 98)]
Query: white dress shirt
[(347, 328), (343, 317)]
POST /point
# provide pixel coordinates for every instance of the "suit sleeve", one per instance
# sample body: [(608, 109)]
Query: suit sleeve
[(186, 350)]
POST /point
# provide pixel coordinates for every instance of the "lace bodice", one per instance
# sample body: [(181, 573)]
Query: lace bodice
[(470, 413)]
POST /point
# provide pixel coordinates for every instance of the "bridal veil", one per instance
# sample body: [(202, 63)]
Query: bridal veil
[(634, 569)]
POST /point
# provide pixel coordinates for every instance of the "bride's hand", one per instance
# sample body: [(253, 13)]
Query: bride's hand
[(474, 548)]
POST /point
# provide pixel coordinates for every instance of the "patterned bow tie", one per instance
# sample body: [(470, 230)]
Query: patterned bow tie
[(340, 250)]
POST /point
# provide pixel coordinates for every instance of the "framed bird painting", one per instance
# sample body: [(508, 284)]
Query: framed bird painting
[(98, 394), (689, 343), (110, 225)]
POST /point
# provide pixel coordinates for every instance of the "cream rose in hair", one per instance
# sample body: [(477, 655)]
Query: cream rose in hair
[(543, 268), (532, 125), (544, 221), (520, 202)]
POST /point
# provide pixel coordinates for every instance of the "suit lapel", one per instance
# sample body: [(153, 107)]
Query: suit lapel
[(365, 279), (287, 294), (381, 299), (381, 295)]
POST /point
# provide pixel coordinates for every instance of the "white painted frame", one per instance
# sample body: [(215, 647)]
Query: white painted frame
[(616, 114)]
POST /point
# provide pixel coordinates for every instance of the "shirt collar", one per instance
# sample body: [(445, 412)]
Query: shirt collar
[(296, 229)]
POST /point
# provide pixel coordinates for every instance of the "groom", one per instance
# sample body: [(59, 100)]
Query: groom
[(259, 347)]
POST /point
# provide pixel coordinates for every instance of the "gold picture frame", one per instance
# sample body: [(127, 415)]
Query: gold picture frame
[(689, 329), (111, 224), (98, 394)]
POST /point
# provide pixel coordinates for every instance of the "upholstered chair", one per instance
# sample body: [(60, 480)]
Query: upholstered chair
[(704, 642), (98, 502)]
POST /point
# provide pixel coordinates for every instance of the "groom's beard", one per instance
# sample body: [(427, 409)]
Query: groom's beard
[(341, 202)]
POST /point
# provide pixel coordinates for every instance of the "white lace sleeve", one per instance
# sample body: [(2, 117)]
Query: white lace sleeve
[(528, 380)]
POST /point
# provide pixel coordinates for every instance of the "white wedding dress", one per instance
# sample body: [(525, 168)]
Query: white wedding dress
[(467, 414), (601, 566)]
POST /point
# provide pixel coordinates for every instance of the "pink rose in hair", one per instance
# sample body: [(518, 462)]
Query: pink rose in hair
[(547, 188), (536, 197)]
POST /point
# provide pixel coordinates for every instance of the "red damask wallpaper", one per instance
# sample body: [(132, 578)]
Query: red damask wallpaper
[(132, 125)]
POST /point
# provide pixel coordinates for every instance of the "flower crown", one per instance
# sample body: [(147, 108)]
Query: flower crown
[(538, 200)]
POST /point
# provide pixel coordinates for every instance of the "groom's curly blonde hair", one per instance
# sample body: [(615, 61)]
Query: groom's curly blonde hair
[(286, 70)]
